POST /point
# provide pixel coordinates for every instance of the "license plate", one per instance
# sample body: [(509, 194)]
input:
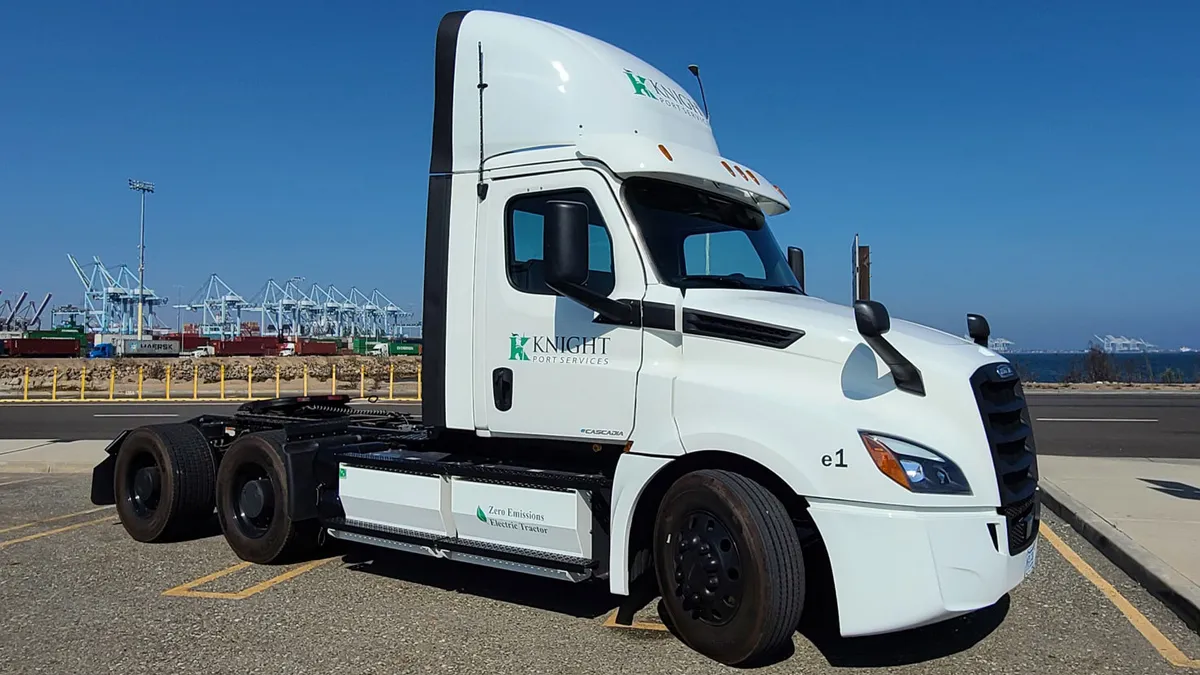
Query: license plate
[(1031, 558)]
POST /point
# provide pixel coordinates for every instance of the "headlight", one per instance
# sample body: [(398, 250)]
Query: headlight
[(915, 468)]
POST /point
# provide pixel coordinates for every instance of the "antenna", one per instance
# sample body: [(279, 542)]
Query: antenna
[(696, 71), (481, 187)]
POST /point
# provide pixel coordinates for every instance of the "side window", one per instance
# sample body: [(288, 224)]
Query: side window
[(721, 254), (523, 229)]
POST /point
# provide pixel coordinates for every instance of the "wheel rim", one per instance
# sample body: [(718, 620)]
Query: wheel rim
[(253, 500), (708, 569), (144, 485)]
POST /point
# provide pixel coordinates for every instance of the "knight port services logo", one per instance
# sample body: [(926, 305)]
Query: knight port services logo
[(500, 517), (562, 349), (666, 95)]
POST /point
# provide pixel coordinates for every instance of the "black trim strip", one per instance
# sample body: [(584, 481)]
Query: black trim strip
[(511, 554), (723, 327), (656, 315), (437, 224), (414, 463)]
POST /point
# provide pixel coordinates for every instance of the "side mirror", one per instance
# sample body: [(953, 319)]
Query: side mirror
[(565, 244), (872, 318), (978, 329), (796, 262)]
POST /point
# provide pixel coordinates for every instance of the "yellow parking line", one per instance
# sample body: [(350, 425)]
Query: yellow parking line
[(185, 590), (47, 533), (611, 622), (54, 519), (1160, 642)]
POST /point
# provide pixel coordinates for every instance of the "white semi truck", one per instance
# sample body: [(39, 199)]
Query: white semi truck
[(626, 384)]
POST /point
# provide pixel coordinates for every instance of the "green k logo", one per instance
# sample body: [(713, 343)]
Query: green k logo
[(516, 348), (639, 85)]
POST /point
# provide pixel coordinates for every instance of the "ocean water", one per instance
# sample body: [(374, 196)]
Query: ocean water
[(1171, 367)]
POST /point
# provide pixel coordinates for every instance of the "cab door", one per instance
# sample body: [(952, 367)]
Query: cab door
[(545, 366)]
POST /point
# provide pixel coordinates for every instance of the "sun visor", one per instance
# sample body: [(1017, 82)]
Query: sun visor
[(628, 157)]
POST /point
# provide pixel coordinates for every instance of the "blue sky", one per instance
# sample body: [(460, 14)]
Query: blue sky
[(1036, 162)]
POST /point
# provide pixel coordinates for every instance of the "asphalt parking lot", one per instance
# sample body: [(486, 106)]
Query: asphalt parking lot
[(80, 596)]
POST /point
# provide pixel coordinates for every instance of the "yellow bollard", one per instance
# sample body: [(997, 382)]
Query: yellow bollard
[(222, 381), (26, 394), (112, 382), (362, 381), (391, 381), (333, 380), (54, 386), (249, 382), (419, 382), (195, 381), (276, 380), (306, 379), (141, 379), (82, 381), (168, 382)]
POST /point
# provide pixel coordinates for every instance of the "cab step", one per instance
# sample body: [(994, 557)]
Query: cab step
[(557, 566)]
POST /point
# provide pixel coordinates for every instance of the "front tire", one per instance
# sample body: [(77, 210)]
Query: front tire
[(252, 502), (729, 566), (163, 481)]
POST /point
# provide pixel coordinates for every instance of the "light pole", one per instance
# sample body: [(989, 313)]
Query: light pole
[(142, 187)]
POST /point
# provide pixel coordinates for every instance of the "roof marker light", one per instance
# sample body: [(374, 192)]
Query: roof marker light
[(727, 168), (779, 191), (666, 154), (753, 177), (740, 172)]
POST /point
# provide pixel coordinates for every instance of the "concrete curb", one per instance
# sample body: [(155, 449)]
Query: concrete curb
[(1176, 591)]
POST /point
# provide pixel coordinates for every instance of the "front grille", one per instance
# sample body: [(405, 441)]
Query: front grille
[(1005, 416)]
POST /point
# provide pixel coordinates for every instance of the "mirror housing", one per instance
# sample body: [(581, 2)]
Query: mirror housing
[(872, 318), (565, 253), (565, 244), (978, 329), (795, 257)]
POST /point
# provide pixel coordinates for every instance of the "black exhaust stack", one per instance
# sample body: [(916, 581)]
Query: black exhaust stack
[(873, 321)]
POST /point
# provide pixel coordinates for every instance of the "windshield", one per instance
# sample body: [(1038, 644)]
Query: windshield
[(700, 239)]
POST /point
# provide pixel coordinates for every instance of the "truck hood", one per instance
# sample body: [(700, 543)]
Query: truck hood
[(830, 331)]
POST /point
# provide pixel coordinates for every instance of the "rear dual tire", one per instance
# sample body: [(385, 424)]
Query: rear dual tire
[(163, 482), (252, 502), (729, 567)]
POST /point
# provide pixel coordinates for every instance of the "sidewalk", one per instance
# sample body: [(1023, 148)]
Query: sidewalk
[(1143, 514), (49, 456)]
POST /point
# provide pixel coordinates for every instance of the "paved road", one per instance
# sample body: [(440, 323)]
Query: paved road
[(1117, 425), (1099, 425), (98, 421), (80, 596)]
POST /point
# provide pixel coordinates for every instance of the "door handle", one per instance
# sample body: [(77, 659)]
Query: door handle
[(502, 386)]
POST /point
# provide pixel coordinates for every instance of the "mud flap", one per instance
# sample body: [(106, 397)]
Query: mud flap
[(103, 487)]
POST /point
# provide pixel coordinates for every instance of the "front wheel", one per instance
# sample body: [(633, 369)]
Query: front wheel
[(729, 566)]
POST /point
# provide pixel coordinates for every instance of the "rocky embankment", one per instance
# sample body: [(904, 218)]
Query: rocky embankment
[(205, 370)]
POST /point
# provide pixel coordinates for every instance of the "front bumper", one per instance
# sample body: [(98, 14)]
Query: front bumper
[(897, 569)]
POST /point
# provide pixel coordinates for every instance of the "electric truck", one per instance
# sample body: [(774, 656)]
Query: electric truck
[(626, 383)]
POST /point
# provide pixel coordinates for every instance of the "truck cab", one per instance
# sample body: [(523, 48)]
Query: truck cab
[(625, 382)]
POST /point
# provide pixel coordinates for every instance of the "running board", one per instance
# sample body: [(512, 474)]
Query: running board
[(475, 552)]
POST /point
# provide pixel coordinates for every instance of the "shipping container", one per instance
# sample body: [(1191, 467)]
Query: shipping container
[(42, 347), (315, 348), (148, 348), (76, 334), (189, 341), (245, 348)]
